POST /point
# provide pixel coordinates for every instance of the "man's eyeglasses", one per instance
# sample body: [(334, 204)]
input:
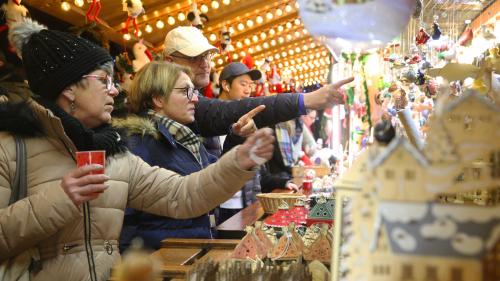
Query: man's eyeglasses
[(189, 92), (198, 59), (105, 79)]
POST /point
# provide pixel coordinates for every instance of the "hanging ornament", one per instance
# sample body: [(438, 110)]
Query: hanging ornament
[(436, 31), (94, 10), (422, 37), (248, 61), (14, 12), (225, 43), (466, 37), (352, 32), (194, 16), (142, 55), (133, 8)]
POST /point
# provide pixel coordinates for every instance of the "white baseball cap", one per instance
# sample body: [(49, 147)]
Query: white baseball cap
[(187, 40)]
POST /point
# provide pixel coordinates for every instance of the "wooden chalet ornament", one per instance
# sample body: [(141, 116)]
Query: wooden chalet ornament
[(287, 248), (298, 214), (320, 249), (250, 247), (322, 212), (281, 218), (297, 239), (399, 171), (263, 237)]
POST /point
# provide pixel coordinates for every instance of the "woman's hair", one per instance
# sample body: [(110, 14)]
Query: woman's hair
[(155, 79)]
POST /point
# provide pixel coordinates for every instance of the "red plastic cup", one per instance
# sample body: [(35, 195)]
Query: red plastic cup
[(91, 157), (307, 187)]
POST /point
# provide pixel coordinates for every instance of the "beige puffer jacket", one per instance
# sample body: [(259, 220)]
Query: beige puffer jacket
[(48, 220)]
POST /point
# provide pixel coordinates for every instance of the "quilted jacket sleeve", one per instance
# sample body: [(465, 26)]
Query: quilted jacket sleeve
[(33, 218), (214, 117), (163, 192)]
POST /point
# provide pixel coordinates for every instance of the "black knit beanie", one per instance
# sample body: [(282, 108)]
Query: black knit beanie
[(54, 60)]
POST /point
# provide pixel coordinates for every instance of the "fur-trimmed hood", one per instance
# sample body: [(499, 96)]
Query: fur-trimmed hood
[(16, 113), (136, 125)]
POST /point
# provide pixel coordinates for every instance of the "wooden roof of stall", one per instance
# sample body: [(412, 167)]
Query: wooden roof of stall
[(264, 28)]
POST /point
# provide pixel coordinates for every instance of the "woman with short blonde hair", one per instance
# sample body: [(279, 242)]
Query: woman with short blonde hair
[(156, 78)]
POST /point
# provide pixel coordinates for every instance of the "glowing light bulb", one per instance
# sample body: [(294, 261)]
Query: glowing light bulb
[(181, 16), (280, 28), (148, 28), (204, 8), (226, 2), (171, 20), (65, 6), (247, 41), (263, 35), (139, 33), (241, 26), (127, 36), (288, 8), (265, 45), (296, 21), (255, 38), (212, 37), (79, 3), (215, 5), (238, 44), (269, 16), (160, 24), (273, 42), (259, 19), (249, 23), (288, 25), (271, 32), (220, 61), (279, 12)]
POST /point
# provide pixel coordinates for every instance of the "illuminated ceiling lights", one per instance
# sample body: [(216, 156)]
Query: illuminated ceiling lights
[(279, 12), (288, 8), (271, 32), (127, 36), (148, 28), (249, 23), (288, 25), (212, 37), (240, 26), (226, 2), (296, 21), (259, 19), (247, 41), (160, 24), (280, 28), (215, 5), (238, 44), (269, 15), (255, 38)]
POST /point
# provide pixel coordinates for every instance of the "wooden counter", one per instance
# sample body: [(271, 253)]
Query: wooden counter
[(178, 255)]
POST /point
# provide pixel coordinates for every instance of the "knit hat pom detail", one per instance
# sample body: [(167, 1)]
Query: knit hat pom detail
[(21, 32)]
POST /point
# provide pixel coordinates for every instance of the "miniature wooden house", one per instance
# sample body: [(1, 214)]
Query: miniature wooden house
[(399, 172), (322, 212), (433, 241)]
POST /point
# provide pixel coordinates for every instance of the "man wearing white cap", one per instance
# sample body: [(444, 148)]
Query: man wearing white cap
[(187, 46)]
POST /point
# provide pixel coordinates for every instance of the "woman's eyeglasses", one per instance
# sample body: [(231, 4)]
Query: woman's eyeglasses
[(189, 92), (105, 79)]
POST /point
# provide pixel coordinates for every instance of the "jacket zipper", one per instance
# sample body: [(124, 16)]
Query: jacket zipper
[(87, 233)]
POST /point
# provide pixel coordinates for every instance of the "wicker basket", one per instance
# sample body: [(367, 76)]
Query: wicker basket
[(271, 201)]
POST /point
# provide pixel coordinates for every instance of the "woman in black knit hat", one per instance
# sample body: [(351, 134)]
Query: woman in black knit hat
[(71, 217)]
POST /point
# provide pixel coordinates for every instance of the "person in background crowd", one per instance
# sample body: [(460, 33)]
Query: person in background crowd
[(73, 215), (235, 83), (186, 45), (163, 97)]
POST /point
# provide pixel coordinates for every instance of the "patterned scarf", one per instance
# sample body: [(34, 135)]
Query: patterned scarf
[(288, 136), (181, 133)]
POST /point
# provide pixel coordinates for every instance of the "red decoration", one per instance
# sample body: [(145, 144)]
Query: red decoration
[(279, 219), (298, 213), (466, 37), (94, 10), (422, 37), (248, 61)]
